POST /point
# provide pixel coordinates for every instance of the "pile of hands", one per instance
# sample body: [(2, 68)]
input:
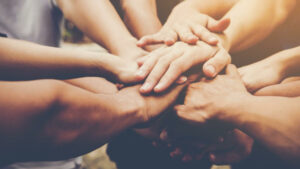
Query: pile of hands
[(187, 44)]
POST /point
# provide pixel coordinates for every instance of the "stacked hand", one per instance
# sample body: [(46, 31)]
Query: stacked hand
[(164, 66), (189, 27)]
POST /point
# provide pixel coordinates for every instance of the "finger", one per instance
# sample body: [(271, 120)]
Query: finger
[(142, 60), (176, 68), (217, 63), (181, 80), (204, 34), (148, 65), (190, 114), (151, 39), (218, 26), (223, 158), (186, 35), (160, 69), (232, 71), (170, 37)]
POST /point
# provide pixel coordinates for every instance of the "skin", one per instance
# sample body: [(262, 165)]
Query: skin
[(91, 18), (241, 34), (272, 70), (226, 99), (167, 64), (27, 61), (69, 114)]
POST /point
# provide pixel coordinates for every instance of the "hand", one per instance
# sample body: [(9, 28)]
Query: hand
[(132, 53), (189, 26), (213, 99), (125, 71), (262, 74), (233, 148), (166, 64)]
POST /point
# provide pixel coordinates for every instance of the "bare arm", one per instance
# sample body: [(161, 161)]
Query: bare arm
[(248, 18), (20, 60), (271, 70), (99, 20), (53, 120), (248, 21), (271, 120), (141, 16), (213, 8)]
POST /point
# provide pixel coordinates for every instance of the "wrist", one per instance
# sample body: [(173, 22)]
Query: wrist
[(288, 61), (234, 108)]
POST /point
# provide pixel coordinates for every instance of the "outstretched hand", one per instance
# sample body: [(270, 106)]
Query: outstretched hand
[(164, 66), (188, 27), (213, 99)]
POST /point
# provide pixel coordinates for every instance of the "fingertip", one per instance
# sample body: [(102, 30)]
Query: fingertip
[(181, 80), (210, 71), (146, 88), (169, 42), (159, 88), (213, 40), (141, 75)]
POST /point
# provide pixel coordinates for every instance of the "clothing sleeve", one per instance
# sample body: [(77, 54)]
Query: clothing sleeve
[(54, 4)]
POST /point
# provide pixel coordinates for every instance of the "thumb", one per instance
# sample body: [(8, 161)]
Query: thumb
[(218, 26), (217, 63), (232, 71)]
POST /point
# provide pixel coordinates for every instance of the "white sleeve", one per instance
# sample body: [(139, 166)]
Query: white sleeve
[(53, 2)]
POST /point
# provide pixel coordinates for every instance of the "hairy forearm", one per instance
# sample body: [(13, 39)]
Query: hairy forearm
[(20, 60), (99, 20), (141, 17), (272, 121), (248, 27)]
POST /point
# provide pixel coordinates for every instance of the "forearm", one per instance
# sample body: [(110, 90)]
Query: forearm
[(272, 121), (213, 8), (20, 60), (55, 121), (290, 60), (248, 21), (141, 17), (99, 20)]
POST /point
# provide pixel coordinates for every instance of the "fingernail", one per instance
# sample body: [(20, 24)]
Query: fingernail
[(158, 87), (211, 70), (164, 135), (181, 80), (213, 39), (140, 73), (146, 87)]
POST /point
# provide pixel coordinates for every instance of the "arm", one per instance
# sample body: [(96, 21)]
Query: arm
[(271, 120), (20, 60), (99, 20), (213, 8), (141, 16), (53, 120), (271, 70), (248, 18)]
